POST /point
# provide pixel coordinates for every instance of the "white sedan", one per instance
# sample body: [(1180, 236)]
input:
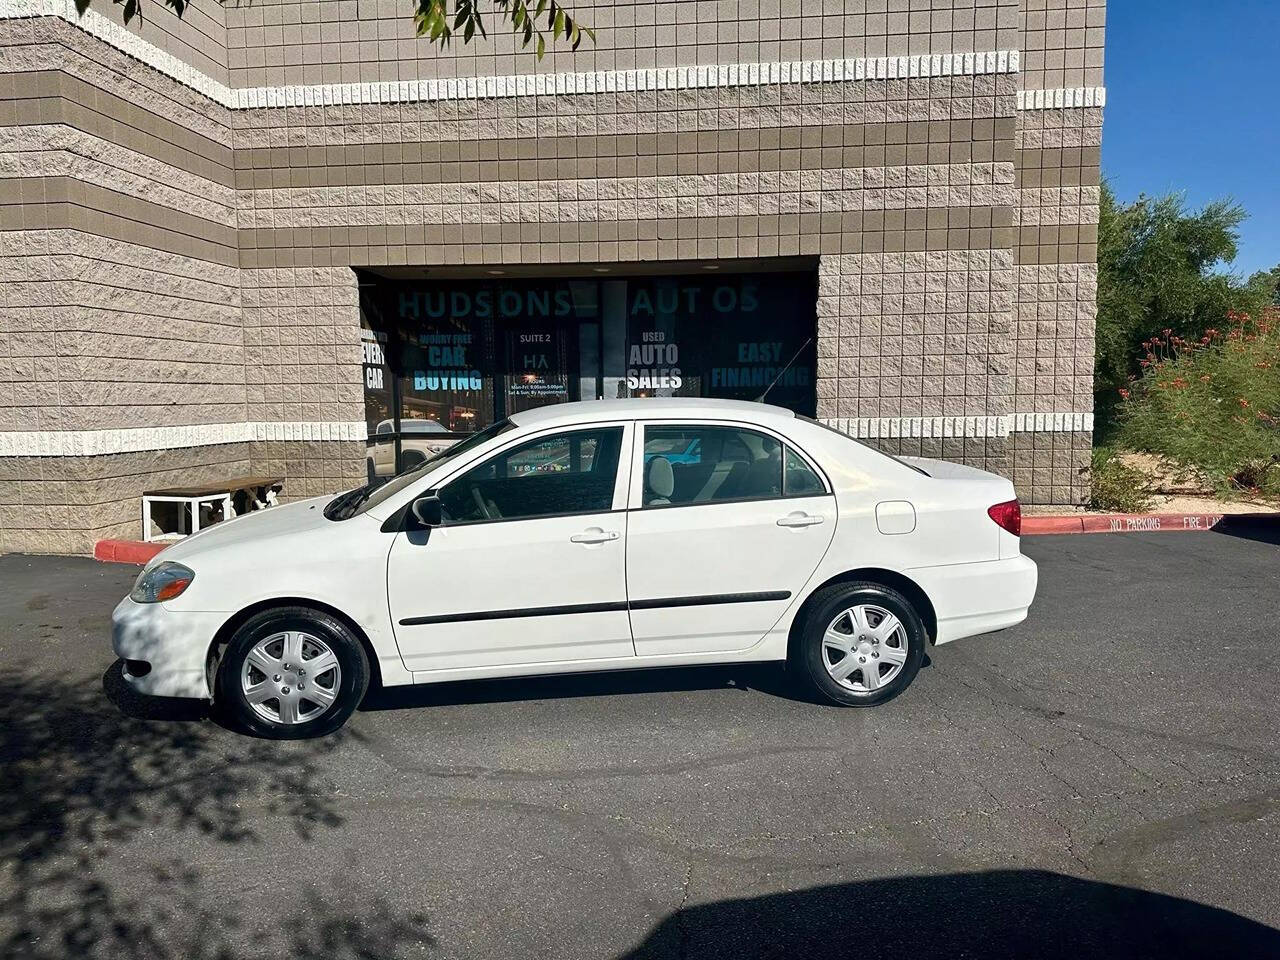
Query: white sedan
[(606, 535)]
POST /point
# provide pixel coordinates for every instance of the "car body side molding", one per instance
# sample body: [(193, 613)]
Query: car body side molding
[(654, 604)]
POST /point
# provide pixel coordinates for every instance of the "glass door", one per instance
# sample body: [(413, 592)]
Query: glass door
[(540, 363)]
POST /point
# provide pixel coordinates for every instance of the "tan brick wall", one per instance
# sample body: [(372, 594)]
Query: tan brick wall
[(66, 504), (302, 344), (316, 41), (198, 37), (1058, 177), (169, 260), (1062, 43)]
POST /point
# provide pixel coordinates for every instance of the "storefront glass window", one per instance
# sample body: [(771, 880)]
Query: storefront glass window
[(457, 355)]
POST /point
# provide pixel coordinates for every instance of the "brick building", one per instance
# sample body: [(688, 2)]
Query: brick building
[(287, 237)]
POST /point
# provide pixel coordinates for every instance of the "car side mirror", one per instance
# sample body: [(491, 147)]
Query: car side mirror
[(428, 511)]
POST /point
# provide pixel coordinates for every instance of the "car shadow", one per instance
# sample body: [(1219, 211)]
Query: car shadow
[(1003, 913), (767, 678), (1262, 529), (138, 707)]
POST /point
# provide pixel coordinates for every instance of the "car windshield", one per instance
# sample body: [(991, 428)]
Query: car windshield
[(360, 499)]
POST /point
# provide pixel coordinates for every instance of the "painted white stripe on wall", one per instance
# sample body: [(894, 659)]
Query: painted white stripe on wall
[(1062, 98), (882, 428), (100, 443), (523, 85)]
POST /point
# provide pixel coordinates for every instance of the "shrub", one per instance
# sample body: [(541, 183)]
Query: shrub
[(1212, 405), (1115, 486)]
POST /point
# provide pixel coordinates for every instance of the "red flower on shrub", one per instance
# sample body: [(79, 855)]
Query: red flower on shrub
[(1124, 394), (1243, 402)]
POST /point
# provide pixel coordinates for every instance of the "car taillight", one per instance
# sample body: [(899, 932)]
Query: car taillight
[(1008, 515)]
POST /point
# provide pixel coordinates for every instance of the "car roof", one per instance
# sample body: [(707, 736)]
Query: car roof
[(637, 407)]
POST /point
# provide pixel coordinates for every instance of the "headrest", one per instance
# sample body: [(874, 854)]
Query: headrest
[(659, 478)]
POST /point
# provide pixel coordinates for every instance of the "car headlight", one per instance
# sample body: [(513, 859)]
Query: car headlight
[(164, 581)]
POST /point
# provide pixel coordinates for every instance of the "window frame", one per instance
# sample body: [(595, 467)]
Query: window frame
[(621, 478), (635, 498)]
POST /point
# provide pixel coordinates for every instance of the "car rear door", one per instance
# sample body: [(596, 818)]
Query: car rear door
[(528, 567), (727, 522)]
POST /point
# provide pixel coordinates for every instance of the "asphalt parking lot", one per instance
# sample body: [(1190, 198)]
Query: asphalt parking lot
[(1102, 781)]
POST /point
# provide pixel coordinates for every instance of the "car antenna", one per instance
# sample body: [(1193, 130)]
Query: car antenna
[(760, 399)]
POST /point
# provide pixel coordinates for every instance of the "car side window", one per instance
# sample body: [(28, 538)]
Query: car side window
[(705, 464), (563, 473), (799, 479)]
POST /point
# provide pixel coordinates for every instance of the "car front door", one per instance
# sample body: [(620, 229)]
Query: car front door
[(727, 523), (528, 565)]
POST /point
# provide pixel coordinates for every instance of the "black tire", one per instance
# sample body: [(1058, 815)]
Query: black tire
[(829, 603), (352, 662)]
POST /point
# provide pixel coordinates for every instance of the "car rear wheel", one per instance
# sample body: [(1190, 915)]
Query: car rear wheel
[(292, 673), (861, 644)]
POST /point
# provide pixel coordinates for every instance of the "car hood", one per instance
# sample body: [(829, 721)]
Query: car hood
[(287, 518)]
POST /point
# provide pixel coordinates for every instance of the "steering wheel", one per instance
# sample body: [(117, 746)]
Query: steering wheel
[(484, 507)]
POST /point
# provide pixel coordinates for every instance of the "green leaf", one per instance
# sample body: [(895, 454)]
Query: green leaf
[(557, 23), (542, 46), (542, 5)]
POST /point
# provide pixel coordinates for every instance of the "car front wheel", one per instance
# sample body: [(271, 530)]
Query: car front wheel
[(861, 644), (292, 673)]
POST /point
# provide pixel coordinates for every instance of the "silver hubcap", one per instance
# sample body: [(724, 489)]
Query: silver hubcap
[(290, 677), (864, 648)]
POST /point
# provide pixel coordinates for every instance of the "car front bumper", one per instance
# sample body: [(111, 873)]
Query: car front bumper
[(164, 651), (975, 598)]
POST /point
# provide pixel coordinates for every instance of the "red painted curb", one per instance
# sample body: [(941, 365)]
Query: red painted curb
[(125, 551), (1139, 522), (1033, 526)]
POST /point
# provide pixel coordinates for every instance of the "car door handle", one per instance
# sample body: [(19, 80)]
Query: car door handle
[(594, 535), (799, 520)]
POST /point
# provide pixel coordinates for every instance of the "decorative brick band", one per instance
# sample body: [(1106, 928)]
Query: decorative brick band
[(621, 81), (542, 84), (1062, 98), (881, 428), (100, 443)]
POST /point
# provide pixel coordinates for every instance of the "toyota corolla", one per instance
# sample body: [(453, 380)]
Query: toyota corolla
[(563, 540)]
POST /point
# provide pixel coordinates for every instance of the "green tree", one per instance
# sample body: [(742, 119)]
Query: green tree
[(1268, 280), (1158, 271), (532, 21)]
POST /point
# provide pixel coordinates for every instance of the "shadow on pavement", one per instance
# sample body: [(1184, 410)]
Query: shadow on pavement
[(769, 678), (1260, 529), (82, 781), (1006, 913)]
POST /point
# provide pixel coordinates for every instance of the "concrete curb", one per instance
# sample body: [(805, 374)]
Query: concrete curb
[(125, 551), (1141, 522)]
